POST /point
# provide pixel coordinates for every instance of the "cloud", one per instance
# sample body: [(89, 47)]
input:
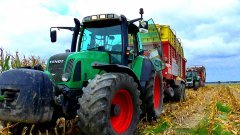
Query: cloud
[(25, 27)]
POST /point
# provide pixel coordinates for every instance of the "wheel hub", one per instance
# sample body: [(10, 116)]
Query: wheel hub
[(115, 109), (121, 111)]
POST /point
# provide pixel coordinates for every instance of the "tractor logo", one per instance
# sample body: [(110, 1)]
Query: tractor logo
[(56, 61)]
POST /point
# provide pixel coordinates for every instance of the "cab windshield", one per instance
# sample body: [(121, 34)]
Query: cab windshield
[(192, 73), (102, 39), (189, 74)]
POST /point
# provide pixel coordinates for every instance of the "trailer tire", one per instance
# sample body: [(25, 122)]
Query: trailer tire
[(179, 93), (184, 96), (153, 98), (110, 104)]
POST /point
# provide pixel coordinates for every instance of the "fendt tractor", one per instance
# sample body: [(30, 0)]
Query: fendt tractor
[(196, 76), (102, 81), (174, 73)]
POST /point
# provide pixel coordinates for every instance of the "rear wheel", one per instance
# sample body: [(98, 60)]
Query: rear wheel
[(153, 99), (184, 96), (110, 105), (196, 85), (179, 93)]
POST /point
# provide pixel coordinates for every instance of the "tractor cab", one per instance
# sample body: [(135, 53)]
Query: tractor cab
[(110, 33), (191, 75)]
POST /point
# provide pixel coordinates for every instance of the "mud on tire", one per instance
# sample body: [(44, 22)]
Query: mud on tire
[(110, 105)]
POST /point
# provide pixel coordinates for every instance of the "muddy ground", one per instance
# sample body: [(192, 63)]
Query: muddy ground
[(212, 109)]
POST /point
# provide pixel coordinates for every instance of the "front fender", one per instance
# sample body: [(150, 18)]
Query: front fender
[(118, 68)]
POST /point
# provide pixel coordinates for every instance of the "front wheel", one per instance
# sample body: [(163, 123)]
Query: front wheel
[(110, 105)]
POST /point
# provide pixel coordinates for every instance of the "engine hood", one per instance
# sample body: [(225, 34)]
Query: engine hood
[(77, 64), (56, 64)]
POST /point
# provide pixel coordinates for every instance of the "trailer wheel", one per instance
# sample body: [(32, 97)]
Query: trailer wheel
[(110, 104), (184, 96), (179, 93), (153, 98)]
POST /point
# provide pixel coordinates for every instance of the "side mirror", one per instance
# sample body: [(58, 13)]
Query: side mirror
[(53, 35), (143, 26)]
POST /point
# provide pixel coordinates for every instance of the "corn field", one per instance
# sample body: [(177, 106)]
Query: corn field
[(9, 61), (213, 109)]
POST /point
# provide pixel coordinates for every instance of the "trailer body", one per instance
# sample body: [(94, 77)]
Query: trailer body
[(174, 73)]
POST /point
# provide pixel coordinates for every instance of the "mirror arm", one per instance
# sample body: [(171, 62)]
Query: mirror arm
[(66, 28), (134, 20)]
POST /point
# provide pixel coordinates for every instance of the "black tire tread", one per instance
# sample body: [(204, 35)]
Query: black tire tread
[(93, 118), (179, 93), (151, 114)]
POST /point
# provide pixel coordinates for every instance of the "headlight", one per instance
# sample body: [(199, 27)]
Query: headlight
[(65, 77)]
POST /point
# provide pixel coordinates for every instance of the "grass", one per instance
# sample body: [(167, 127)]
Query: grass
[(223, 107)]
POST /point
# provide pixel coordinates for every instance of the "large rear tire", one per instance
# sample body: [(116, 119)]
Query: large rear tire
[(110, 104), (153, 98)]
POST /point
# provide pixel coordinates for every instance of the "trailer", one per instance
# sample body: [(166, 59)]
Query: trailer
[(172, 57)]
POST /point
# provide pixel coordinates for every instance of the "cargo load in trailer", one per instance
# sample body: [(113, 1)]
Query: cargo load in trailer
[(172, 58)]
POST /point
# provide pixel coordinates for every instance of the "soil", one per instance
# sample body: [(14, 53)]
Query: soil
[(198, 105)]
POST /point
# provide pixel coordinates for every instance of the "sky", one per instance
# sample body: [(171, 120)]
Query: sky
[(209, 29)]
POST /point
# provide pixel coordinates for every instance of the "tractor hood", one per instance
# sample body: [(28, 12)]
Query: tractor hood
[(78, 65), (56, 64)]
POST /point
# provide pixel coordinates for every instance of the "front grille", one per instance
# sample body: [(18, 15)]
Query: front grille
[(56, 71), (56, 68)]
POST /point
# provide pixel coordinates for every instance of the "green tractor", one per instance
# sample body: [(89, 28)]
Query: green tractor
[(104, 80), (196, 77), (193, 80)]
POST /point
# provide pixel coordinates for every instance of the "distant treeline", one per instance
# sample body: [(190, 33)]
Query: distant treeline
[(225, 82)]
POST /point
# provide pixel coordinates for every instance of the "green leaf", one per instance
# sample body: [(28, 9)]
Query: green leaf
[(2, 98)]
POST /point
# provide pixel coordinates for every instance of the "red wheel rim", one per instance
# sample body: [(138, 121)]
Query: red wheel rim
[(156, 92), (122, 121)]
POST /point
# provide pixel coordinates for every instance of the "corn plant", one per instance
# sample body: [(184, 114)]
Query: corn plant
[(8, 61), (4, 61)]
